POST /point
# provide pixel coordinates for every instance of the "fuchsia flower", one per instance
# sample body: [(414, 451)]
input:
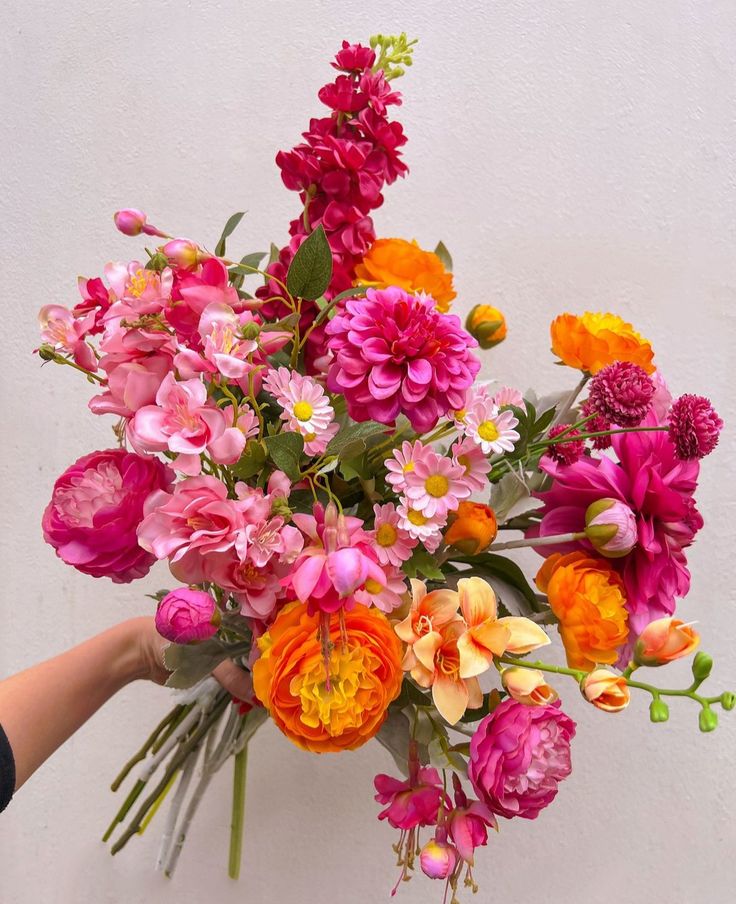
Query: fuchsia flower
[(411, 803), (438, 858), (622, 392), (392, 544), (518, 756), (694, 427), (568, 452), (95, 297), (65, 332), (436, 485), (467, 823), (395, 353), (96, 507), (187, 616)]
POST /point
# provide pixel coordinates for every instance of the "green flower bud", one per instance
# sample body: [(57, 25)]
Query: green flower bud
[(708, 719), (702, 666), (250, 330), (280, 506), (728, 700), (659, 711), (157, 262), (46, 353)]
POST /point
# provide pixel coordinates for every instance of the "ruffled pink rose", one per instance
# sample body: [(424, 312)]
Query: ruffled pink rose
[(518, 756), (96, 507), (187, 616)]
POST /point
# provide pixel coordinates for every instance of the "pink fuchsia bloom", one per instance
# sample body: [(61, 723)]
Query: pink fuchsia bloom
[(468, 823), (96, 507), (491, 429), (568, 452), (306, 408), (138, 291), (438, 857), (658, 488), (622, 392), (518, 756), (402, 461), (469, 455), (131, 221), (436, 485), (95, 297), (414, 802), (610, 525), (395, 353), (336, 561), (64, 332), (694, 427), (224, 350), (392, 544), (187, 616), (387, 597)]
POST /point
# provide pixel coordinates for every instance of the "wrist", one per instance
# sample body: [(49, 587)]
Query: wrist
[(130, 661)]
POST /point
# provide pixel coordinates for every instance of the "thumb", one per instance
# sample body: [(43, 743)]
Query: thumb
[(234, 680)]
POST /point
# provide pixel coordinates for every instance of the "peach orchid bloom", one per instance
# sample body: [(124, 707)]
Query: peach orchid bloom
[(428, 612)]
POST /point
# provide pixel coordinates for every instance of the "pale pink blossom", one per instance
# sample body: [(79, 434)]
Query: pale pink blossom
[(436, 485), (419, 525), (224, 351), (306, 407), (492, 430), (403, 461), (138, 291), (467, 453), (507, 395), (65, 332), (391, 542)]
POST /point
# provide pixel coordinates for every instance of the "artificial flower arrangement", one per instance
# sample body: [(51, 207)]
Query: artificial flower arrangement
[(315, 460)]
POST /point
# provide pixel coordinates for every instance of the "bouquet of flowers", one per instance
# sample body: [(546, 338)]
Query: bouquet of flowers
[(301, 436)]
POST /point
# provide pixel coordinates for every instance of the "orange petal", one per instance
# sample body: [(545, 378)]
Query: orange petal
[(426, 648), (477, 600), (526, 635), (475, 694), (475, 657), (450, 696), (440, 606), (405, 630)]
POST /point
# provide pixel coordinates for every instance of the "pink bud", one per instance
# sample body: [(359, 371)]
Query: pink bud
[(187, 616), (437, 859), (610, 525), (182, 253), (131, 221)]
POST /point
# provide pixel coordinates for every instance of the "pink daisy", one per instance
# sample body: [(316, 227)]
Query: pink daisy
[(392, 544), (388, 597), (306, 408), (419, 525), (468, 453), (404, 461), (492, 429), (436, 485), (506, 395), (477, 393)]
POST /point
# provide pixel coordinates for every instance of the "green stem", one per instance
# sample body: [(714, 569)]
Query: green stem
[(238, 813), (60, 359), (538, 541), (150, 741), (563, 439)]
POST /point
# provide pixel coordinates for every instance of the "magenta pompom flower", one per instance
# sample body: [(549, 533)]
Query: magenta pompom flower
[(518, 756), (622, 393), (394, 354), (95, 509), (568, 452), (694, 426)]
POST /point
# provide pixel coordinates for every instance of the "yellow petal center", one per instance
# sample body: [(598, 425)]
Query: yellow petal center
[(386, 535), (488, 431), (437, 485), (416, 517), (373, 587), (303, 411)]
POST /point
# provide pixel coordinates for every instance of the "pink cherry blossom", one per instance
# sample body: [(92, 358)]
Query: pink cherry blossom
[(65, 332)]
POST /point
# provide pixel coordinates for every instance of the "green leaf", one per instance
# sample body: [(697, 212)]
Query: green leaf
[(444, 255), (355, 468), (543, 421), (310, 270), (506, 569), (349, 293), (273, 253), (285, 450), (350, 441), (252, 460), (286, 324), (230, 227), (189, 664), (421, 562)]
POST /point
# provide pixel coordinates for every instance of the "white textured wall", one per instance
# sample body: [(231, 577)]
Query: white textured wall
[(572, 155)]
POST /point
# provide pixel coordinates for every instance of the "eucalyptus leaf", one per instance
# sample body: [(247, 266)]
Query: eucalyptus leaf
[(230, 227), (190, 663), (310, 271), (285, 451)]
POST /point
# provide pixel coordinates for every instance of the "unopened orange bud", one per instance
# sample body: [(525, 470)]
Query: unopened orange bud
[(528, 686), (486, 324), (606, 690), (665, 640), (473, 529)]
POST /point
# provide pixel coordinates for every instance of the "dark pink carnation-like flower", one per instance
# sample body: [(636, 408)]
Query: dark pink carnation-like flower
[(568, 452), (694, 426), (518, 756), (95, 509), (597, 424), (395, 353), (354, 58), (622, 393)]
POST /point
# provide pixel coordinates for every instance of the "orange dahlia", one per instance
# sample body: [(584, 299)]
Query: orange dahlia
[(365, 676), (589, 599), (591, 341), (396, 262)]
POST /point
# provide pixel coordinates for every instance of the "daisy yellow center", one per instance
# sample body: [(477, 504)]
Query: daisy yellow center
[(303, 411), (352, 683), (437, 485), (464, 460), (460, 414), (386, 535), (488, 431), (416, 518), (310, 437), (372, 586), (409, 466)]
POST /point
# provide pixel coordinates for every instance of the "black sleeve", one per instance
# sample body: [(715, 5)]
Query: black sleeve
[(7, 771)]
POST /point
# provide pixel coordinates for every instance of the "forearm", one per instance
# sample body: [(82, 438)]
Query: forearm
[(43, 706)]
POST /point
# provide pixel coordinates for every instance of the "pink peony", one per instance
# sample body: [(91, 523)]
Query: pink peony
[(518, 756), (187, 616), (96, 507), (395, 353)]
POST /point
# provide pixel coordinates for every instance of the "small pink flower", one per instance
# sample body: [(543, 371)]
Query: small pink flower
[(469, 455), (65, 332), (421, 526), (491, 429), (187, 616), (596, 424), (138, 291), (131, 221), (694, 426), (438, 857), (183, 253), (392, 544), (411, 803), (387, 597), (568, 452), (508, 396), (467, 823), (403, 461), (224, 350), (436, 485), (622, 392), (306, 408)]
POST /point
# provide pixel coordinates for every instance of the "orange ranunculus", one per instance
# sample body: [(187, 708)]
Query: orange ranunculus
[(664, 640), (486, 324), (606, 690), (396, 262), (592, 341), (589, 599), (473, 528), (365, 676)]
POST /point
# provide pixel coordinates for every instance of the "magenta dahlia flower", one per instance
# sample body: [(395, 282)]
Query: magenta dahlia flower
[(622, 393), (518, 756), (394, 353), (95, 509), (694, 426)]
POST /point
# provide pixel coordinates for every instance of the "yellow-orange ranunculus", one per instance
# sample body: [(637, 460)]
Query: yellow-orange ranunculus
[(396, 262), (592, 341), (606, 690), (473, 528), (589, 599), (528, 686), (664, 640), (486, 324), (365, 676)]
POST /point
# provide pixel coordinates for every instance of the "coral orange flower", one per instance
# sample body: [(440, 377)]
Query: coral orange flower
[(365, 676), (473, 528), (428, 612), (606, 690), (528, 686), (664, 640), (396, 262), (592, 341), (487, 635), (589, 599)]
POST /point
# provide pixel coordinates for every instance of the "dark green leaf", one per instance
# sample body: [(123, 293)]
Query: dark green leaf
[(444, 255), (285, 450), (543, 421), (421, 562), (251, 461), (286, 323), (355, 468), (310, 270), (273, 254), (230, 227), (506, 569), (349, 442), (252, 260)]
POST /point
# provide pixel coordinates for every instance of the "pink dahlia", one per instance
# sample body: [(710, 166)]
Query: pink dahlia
[(622, 392), (568, 452), (395, 353), (694, 426), (96, 507), (658, 488), (518, 756)]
